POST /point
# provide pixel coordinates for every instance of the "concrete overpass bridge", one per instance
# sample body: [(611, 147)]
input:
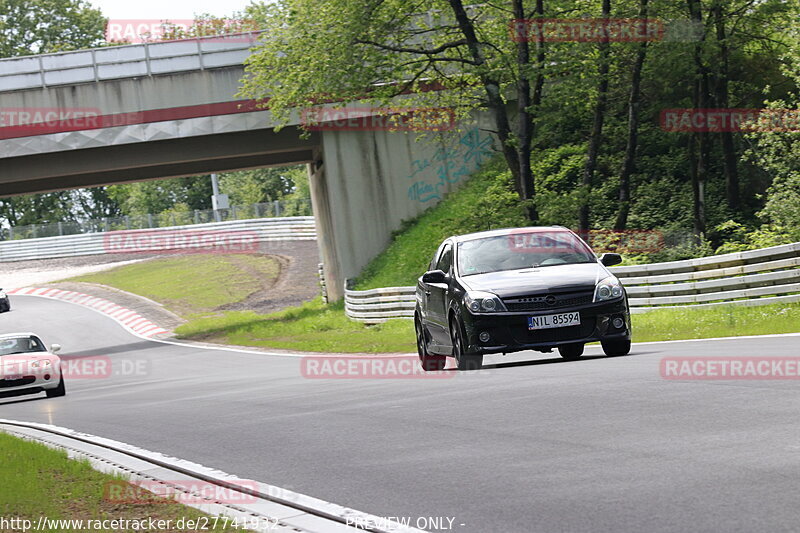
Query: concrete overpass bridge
[(168, 109)]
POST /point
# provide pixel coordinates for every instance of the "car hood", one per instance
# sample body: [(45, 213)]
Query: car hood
[(555, 278)]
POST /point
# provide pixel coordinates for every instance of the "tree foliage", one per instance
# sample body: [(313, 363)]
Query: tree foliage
[(714, 53)]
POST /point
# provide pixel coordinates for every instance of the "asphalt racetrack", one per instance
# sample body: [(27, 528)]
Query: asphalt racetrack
[(530, 443)]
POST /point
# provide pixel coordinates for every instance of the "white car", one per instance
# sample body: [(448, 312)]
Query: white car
[(28, 367)]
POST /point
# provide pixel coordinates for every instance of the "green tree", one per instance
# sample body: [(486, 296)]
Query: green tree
[(43, 26), (374, 51)]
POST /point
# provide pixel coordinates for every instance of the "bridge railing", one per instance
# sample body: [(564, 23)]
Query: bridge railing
[(756, 277), (157, 240), (126, 61)]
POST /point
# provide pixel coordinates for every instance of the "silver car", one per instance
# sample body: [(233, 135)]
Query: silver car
[(28, 367)]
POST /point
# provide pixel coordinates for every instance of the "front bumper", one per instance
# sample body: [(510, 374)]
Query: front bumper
[(28, 384), (509, 332)]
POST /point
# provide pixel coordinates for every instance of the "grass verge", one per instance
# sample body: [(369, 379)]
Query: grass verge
[(194, 283), (42, 482), (312, 326), (722, 321)]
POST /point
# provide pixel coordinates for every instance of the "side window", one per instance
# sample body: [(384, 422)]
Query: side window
[(437, 255), (446, 260)]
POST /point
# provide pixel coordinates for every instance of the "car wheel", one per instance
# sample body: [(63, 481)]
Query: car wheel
[(616, 347), (429, 361), (571, 352), (465, 361), (58, 391)]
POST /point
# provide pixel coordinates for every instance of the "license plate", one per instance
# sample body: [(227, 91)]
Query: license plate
[(554, 321)]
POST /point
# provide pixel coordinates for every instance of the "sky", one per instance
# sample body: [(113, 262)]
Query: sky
[(171, 9)]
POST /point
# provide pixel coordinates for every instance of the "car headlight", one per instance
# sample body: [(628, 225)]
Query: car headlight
[(483, 302), (608, 289)]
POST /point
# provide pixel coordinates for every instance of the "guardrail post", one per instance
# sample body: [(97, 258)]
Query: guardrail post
[(149, 220), (277, 208), (60, 229)]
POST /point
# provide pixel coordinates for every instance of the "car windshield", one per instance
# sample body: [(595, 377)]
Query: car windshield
[(520, 250), (13, 345)]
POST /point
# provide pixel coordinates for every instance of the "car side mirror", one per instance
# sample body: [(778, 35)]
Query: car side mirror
[(610, 259), (55, 348), (434, 276)]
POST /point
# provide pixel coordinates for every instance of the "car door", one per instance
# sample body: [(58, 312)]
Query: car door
[(437, 298), (423, 292)]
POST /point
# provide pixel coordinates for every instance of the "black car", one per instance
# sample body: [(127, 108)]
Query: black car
[(5, 303), (508, 290)]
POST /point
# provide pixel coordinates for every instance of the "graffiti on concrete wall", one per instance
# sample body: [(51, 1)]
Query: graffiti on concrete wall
[(448, 165)]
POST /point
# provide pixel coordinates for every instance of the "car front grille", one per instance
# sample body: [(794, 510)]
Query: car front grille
[(539, 303), (5, 383)]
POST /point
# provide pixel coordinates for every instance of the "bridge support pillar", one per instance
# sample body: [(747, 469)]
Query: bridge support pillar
[(323, 218)]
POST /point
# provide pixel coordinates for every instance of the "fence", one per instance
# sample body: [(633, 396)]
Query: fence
[(127, 61), (756, 277), (299, 207), (267, 229)]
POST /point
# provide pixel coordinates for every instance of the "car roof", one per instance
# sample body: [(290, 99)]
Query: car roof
[(506, 231), (18, 334)]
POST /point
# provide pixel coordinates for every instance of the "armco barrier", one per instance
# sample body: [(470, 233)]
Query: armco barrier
[(267, 229), (756, 277)]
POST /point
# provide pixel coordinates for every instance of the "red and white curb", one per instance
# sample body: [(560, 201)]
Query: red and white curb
[(128, 319)]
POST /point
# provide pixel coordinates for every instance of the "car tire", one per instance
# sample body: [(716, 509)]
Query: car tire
[(616, 347), (58, 391), (572, 351), (464, 361), (430, 362)]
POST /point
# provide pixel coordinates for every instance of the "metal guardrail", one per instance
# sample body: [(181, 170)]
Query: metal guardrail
[(756, 277), (277, 208), (265, 230), (126, 61)]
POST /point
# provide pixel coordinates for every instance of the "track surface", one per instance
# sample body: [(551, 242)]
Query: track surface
[(535, 444)]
